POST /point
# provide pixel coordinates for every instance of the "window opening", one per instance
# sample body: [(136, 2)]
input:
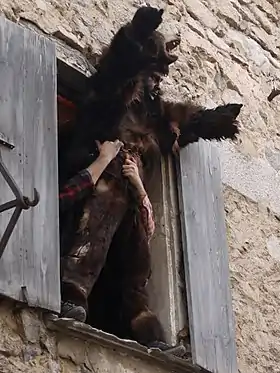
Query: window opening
[(71, 85)]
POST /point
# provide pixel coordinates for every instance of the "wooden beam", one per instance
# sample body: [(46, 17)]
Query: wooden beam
[(71, 82)]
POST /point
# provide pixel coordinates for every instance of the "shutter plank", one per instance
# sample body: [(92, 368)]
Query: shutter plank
[(40, 172), (206, 259), (40, 234), (11, 125)]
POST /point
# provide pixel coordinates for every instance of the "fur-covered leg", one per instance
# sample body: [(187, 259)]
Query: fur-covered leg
[(147, 330), (143, 325), (102, 213), (124, 58), (132, 262), (196, 122)]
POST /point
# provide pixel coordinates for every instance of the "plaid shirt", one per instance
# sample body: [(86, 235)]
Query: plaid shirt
[(76, 189), (81, 186)]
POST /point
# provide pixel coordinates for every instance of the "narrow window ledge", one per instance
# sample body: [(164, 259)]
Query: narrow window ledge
[(86, 332)]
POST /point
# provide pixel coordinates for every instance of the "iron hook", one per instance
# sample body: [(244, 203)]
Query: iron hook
[(35, 201)]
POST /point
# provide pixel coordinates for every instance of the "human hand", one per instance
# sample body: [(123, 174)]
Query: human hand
[(109, 149), (131, 171)]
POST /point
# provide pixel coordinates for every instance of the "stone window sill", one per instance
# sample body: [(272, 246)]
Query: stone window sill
[(86, 332)]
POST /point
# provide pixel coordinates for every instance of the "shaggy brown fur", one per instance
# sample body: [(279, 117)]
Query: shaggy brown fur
[(124, 101)]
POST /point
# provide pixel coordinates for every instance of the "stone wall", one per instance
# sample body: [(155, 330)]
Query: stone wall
[(254, 232), (230, 52)]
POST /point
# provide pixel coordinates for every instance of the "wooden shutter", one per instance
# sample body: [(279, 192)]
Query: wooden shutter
[(29, 267), (206, 259)]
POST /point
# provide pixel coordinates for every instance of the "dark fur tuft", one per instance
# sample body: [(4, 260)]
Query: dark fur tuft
[(219, 123)]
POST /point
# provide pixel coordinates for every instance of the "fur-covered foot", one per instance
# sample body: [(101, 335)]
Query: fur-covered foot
[(145, 21), (158, 344), (72, 311), (219, 123), (179, 350), (146, 328)]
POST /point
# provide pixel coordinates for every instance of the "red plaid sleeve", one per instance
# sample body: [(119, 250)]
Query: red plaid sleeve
[(76, 189), (146, 211)]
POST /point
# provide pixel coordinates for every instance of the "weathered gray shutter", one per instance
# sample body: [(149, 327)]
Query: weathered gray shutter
[(29, 267), (206, 259)]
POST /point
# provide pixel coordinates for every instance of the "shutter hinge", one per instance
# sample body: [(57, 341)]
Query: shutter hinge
[(20, 203), (5, 141), (25, 295)]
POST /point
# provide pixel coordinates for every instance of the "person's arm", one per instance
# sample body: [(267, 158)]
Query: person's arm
[(82, 185), (130, 170), (76, 189), (147, 216)]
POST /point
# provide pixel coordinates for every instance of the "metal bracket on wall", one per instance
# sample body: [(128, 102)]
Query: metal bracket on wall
[(20, 203)]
